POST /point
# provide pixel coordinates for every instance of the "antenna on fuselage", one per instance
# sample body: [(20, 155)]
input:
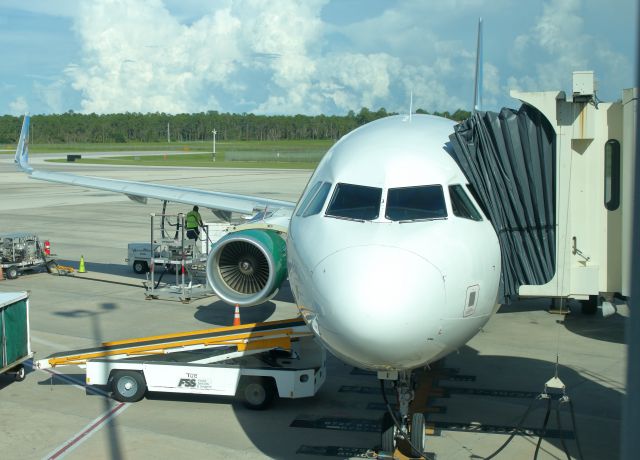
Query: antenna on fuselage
[(477, 88), (410, 105)]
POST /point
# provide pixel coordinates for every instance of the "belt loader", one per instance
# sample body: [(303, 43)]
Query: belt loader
[(254, 362)]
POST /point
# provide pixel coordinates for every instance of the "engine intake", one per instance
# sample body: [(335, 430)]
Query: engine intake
[(247, 267)]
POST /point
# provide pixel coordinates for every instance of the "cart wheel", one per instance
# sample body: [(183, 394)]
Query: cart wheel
[(388, 434), (11, 273), (21, 373), (52, 266), (257, 393), (128, 386), (140, 266)]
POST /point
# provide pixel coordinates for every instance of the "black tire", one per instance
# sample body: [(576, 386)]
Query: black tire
[(11, 273), (128, 386), (52, 266), (257, 393), (417, 434), (21, 373), (140, 266), (388, 434), (590, 307)]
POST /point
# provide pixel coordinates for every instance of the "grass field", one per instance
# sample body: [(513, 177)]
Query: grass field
[(239, 154)]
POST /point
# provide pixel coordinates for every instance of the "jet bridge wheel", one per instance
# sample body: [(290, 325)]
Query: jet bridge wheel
[(257, 393), (128, 386)]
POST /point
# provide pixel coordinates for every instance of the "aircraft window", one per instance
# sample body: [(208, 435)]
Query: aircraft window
[(416, 203), (461, 204), (355, 202), (474, 194), (305, 201), (318, 200)]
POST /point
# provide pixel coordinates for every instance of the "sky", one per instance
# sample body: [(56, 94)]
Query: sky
[(303, 57)]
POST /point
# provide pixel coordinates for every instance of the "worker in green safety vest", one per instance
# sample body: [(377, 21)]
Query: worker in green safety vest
[(193, 222)]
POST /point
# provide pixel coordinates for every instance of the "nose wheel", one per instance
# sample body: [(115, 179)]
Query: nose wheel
[(402, 430)]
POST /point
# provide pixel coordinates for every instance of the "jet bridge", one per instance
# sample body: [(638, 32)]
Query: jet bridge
[(556, 180)]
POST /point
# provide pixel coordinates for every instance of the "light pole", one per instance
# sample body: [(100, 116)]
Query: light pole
[(214, 132)]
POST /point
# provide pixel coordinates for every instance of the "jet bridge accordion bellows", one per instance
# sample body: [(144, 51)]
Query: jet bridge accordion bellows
[(509, 159)]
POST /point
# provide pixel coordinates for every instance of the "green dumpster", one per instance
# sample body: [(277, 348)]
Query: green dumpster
[(15, 338)]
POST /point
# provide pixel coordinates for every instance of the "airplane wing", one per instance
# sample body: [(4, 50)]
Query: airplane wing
[(140, 191)]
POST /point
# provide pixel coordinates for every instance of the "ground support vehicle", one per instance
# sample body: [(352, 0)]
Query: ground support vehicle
[(175, 264), (20, 251), (254, 362), (15, 335)]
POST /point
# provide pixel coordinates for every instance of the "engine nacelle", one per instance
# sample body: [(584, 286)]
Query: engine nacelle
[(247, 267)]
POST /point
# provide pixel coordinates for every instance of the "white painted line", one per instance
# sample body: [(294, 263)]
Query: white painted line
[(45, 342), (92, 428)]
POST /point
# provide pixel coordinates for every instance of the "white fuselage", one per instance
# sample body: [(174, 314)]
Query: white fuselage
[(396, 287)]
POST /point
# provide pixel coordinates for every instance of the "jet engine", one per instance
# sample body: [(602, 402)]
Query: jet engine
[(247, 267)]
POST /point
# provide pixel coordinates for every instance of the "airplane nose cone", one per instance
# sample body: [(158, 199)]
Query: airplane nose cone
[(379, 306)]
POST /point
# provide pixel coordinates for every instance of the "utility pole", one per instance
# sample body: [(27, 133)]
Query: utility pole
[(214, 132), (168, 134)]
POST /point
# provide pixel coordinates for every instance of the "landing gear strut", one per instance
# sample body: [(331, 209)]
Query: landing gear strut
[(403, 428)]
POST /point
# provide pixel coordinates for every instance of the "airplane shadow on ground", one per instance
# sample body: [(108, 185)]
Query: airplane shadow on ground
[(502, 390), (221, 313)]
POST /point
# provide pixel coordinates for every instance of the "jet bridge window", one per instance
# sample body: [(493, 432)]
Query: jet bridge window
[(612, 175), (416, 203), (356, 202), (461, 204)]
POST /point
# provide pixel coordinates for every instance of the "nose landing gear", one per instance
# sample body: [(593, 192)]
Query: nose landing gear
[(403, 430)]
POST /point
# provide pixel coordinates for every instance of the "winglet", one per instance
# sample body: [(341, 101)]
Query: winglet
[(22, 151), (477, 89)]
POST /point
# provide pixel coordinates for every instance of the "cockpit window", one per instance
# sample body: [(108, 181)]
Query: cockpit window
[(315, 206), (461, 204), (416, 203), (308, 197), (357, 202)]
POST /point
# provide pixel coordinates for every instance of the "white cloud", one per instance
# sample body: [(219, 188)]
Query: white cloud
[(557, 44), (18, 106), (279, 56)]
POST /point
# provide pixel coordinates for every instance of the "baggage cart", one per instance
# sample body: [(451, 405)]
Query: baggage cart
[(15, 337)]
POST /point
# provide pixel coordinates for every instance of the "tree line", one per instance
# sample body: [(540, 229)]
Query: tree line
[(73, 127)]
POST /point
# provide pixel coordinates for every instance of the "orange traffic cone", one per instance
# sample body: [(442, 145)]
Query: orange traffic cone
[(236, 316)]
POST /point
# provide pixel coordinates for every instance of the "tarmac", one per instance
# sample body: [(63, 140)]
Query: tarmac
[(480, 396)]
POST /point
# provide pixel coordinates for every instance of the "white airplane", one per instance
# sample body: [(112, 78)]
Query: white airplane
[(391, 261)]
